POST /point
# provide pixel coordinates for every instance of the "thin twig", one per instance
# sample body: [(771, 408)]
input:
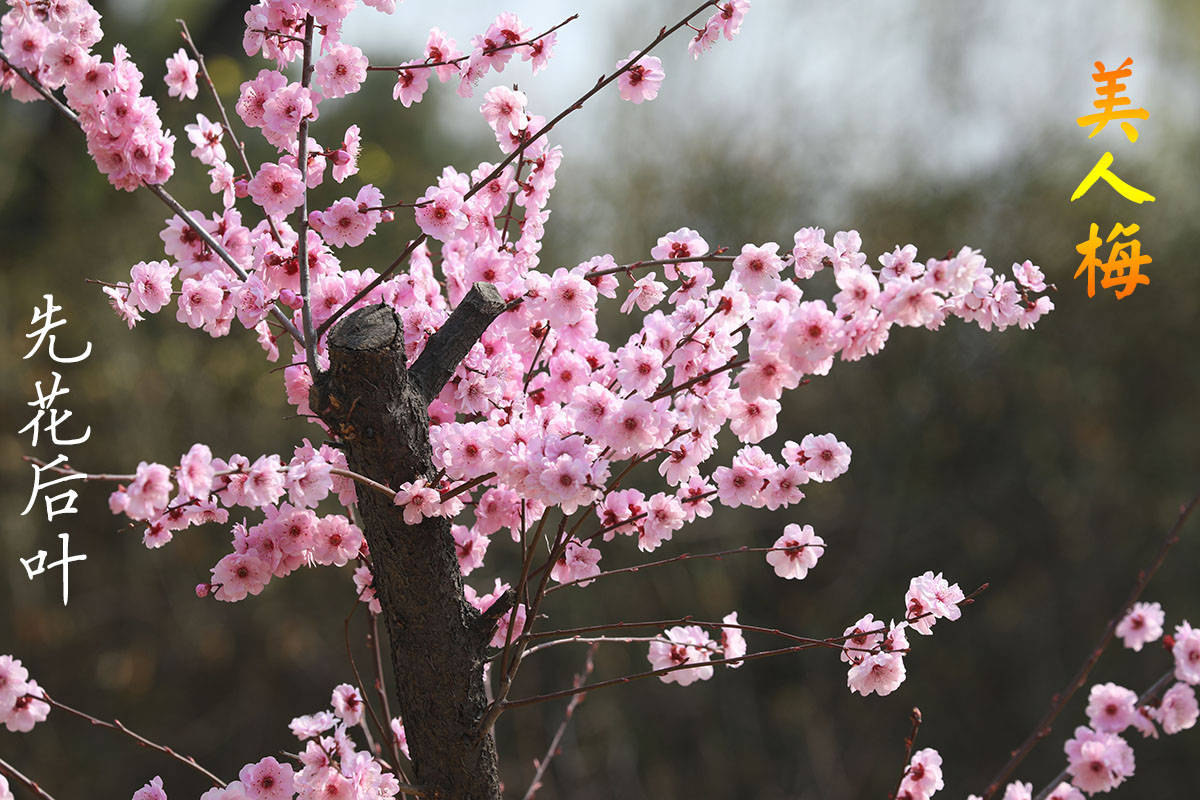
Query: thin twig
[(715, 255), (909, 742), (126, 478), (674, 559), (385, 732), (237, 143), (119, 726), (553, 749), (28, 783), (460, 59), (808, 645)]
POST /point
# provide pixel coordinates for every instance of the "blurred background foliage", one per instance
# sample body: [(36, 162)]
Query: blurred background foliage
[(1048, 464)]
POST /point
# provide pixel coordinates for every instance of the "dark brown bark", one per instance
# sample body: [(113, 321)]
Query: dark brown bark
[(379, 410)]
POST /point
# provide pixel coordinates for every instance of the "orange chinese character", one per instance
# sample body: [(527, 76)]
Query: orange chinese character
[(1101, 170), (1123, 267), (1109, 100)]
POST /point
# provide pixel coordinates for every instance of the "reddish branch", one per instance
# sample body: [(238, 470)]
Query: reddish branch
[(553, 749), (488, 51), (1060, 700), (909, 742), (237, 143), (118, 726), (310, 341), (715, 255), (674, 559), (27, 782)]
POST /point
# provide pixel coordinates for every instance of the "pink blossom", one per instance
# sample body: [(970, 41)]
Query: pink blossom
[(923, 776), (439, 49), (195, 473), (1143, 624), (341, 70), (1029, 276), (861, 638), (441, 214), (1178, 709), (733, 643), (680, 646), (119, 299), (1098, 762), (148, 493), (277, 188), (645, 294), (26, 709), (206, 136), (150, 284), (641, 81), (1018, 791), (577, 562), (347, 704), (538, 52), (411, 85), (264, 482), (810, 252), (823, 457), (881, 673), (154, 789), (470, 547), (753, 420), (337, 541), (418, 499), (181, 76), (267, 780), (343, 224), (664, 516), (680, 244), (640, 369), (1065, 791), (796, 552), (930, 598), (1187, 653), (13, 681), (238, 575), (1111, 708), (504, 109), (757, 268)]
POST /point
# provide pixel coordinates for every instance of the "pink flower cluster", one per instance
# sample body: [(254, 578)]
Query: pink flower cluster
[(20, 708), (124, 133), (727, 20), (691, 644), (1099, 758), (291, 535), (332, 765), (875, 652), (491, 50)]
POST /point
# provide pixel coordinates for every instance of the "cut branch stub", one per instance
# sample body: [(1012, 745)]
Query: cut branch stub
[(451, 343), (379, 410)]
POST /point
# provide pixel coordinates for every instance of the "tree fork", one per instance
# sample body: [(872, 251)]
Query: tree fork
[(380, 410)]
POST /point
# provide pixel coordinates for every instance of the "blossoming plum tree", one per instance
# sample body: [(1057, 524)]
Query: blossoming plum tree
[(464, 390)]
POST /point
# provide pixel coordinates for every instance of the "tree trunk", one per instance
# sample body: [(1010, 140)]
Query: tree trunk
[(379, 410)]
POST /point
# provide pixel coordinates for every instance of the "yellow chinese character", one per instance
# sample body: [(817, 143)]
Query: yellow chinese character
[(1108, 102), (1123, 267), (1101, 170)]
